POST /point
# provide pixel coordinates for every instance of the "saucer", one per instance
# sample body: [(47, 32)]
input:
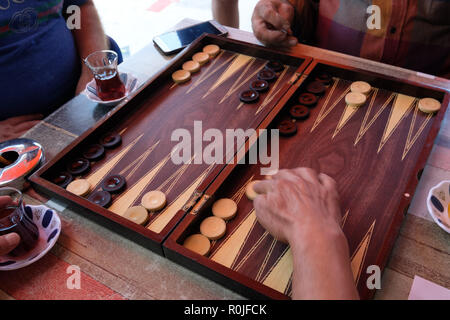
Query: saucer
[(438, 204), (49, 225), (131, 84)]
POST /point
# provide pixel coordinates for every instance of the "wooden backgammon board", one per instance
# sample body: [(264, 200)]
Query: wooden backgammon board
[(145, 122), (375, 152)]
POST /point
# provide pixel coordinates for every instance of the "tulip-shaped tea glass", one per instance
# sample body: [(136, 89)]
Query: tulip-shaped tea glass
[(103, 65), (14, 219)]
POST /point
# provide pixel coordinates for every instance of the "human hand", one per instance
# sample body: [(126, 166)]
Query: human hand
[(299, 205), (8, 241), (271, 22), (12, 128)]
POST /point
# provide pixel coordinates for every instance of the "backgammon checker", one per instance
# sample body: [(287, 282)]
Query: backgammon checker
[(372, 144), (225, 209), (79, 187), (137, 214)]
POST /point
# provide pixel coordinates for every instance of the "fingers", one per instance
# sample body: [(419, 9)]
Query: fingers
[(329, 184), (8, 242), (263, 187), (5, 200), (266, 35), (287, 12), (308, 174), (25, 118), (333, 203), (268, 12), (271, 23)]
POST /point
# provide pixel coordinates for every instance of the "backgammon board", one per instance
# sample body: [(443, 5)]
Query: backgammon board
[(375, 152), (145, 122)]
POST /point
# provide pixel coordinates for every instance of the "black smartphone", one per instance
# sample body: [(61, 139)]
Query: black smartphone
[(174, 41)]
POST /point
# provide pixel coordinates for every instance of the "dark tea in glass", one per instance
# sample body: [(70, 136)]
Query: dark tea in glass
[(14, 219), (110, 88), (103, 65)]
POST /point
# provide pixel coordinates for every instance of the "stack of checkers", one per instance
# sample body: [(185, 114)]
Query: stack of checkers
[(358, 95), (192, 66), (80, 166), (306, 100), (212, 228), (261, 83)]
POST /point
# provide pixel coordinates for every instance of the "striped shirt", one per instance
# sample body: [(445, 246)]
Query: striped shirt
[(413, 34)]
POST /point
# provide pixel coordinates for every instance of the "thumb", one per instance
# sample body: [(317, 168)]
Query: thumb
[(8, 242)]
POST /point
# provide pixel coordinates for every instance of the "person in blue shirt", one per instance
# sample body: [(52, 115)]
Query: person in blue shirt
[(41, 58)]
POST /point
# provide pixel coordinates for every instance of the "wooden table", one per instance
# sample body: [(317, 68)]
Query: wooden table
[(113, 267)]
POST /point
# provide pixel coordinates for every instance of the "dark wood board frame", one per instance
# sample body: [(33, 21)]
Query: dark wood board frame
[(247, 286), (137, 233)]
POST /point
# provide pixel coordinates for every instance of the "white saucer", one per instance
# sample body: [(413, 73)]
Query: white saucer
[(131, 84), (49, 225)]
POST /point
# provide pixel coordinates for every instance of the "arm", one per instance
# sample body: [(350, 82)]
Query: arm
[(301, 208), (89, 38), (226, 12)]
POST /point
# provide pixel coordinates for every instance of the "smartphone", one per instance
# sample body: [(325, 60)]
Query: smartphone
[(174, 41)]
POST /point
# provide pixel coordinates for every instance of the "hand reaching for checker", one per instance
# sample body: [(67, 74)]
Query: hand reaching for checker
[(298, 201), (301, 207), (271, 22)]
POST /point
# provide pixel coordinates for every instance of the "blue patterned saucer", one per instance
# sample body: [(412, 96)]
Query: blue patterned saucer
[(49, 225), (438, 203)]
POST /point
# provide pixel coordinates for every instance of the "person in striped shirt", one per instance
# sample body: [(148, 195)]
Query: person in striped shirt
[(413, 34)]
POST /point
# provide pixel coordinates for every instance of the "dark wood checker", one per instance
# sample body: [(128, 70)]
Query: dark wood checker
[(146, 123), (375, 154)]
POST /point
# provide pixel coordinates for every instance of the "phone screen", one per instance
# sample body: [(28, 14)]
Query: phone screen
[(181, 38)]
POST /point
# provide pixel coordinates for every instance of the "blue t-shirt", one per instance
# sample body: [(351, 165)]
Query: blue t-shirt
[(39, 63)]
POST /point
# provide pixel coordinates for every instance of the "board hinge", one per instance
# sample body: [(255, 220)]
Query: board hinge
[(200, 204), (192, 201), (300, 80), (294, 78)]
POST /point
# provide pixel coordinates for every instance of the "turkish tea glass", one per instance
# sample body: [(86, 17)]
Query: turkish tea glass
[(14, 219), (103, 65)]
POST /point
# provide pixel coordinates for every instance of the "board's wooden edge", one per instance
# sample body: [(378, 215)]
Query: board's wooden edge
[(176, 252), (215, 271)]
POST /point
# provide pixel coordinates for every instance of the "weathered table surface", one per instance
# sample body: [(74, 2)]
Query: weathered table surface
[(113, 267)]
